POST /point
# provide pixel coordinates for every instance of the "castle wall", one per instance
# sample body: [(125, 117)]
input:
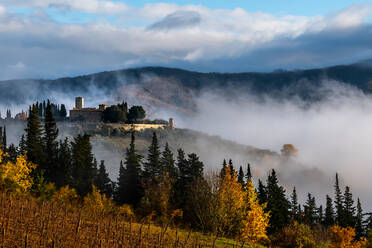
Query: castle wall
[(87, 115)]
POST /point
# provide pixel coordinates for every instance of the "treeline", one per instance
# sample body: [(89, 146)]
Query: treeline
[(167, 186), (58, 111), (121, 113)]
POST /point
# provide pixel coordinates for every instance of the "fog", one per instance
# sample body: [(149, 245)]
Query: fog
[(333, 135)]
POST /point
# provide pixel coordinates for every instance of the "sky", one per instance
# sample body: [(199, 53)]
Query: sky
[(58, 38)]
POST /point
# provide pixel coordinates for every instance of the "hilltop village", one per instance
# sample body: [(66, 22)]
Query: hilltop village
[(128, 118)]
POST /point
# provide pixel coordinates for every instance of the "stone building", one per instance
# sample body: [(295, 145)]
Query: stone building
[(80, 113)]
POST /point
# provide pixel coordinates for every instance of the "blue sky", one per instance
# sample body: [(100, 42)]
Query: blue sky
[(55, 38)]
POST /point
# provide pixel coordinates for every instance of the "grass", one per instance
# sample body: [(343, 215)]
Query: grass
[(27, 222)]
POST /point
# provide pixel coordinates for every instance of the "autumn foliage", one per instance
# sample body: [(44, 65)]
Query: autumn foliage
[(345, 238)]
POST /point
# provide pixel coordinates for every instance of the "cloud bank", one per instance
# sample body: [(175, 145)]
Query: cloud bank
[(115, 35)]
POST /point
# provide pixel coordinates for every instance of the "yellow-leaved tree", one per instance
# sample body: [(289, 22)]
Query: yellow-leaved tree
[(256, 220), (98, 203), (238, 212), (16, 174), (345, 238)]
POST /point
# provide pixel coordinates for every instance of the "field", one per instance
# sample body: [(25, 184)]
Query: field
[(27, 222)]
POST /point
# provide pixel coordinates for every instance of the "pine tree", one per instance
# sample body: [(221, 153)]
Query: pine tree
[(310, 210), (83, 171), (320, 215), (168, 161), (359, 229), (277, 203), (22, 145), (130, 190), (34, 144), (241, 177), (329, 217), (103, 181), (196, 167), (63, 111), (4, 141), (223, 170), (294, 205), (248, 176), (231, 166), (50, 145), (349, 209), (64, 164), (153, 167), (339, 203), (262, 194), (120, 190)]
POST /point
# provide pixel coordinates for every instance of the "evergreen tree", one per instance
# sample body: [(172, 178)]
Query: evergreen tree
[(34, 144), (359, 229), (4, 141), (153, 167), (329, 217), (248, 176), (63, 111), (294, 205), (262, 194), (22, 145), (241, 177), (231, 166), (168, 161), (310, 210), (277, 203), (50, 145), (338, 203), (130, 190), (349, 209), (223, 170), (103, 181), (120, 191), (83, 171), (64, 164), (320, 215)]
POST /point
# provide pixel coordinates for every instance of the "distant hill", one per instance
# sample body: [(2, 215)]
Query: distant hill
[(176, 89)]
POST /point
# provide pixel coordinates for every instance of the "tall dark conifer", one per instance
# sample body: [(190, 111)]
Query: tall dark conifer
[(248, 176), (349, 208), (103, 181), (339, 203), (277, 203), (231, 166), (359, 228), (34, 144), (153, 167), (329, 216), (241, 177), (64, 164), (168, 162), (224, 168), (294, 205), (50, 145), (4, 140), (310, 210), (262, 193)]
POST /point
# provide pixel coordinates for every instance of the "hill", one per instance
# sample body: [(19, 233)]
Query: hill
[(175, 89)]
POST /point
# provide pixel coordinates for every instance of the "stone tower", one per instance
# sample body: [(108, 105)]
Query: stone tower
[(79, 102), (171, 123)]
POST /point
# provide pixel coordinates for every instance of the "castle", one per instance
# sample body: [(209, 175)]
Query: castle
[(80, 113)]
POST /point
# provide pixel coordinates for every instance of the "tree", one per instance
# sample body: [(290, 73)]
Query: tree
[(345, 238), (310, 210), (256, 220), (130, 190), (136, 113), (329, 217), (34, 142), (359, 228), (63, 111), (338, 203), (223, 170), (349, 209), (262, 194), (64, 164), (231, 166), (4, 141), (22, 145), (294, 205), (248, 176), (168, 161), (277, 204), (83, 171), (153, 167), (241, 177), (50, 145), (114, 114), (103, 181)]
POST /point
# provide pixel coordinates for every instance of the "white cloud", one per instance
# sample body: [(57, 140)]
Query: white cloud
[(350, 17)]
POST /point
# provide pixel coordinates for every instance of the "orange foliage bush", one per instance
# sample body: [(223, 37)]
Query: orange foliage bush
[(345, 238)]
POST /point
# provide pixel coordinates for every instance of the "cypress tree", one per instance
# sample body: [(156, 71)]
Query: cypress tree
[(277, 203), (338, 203), (349, 209), (130, 181), (83, 171), (248, 176), (103, 181), (153, 167), (294, 205), (241, 176), (329, 217), (168, 161), (359, 229), (34, 144), (64, 164), (50, 145), (120, 190)]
